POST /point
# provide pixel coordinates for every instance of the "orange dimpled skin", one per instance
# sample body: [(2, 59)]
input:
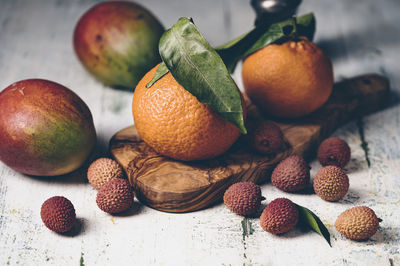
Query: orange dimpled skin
[(175, 124), (288, 80)]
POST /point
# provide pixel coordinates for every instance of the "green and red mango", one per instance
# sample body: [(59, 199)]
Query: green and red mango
[(117, 42), (45, 128)]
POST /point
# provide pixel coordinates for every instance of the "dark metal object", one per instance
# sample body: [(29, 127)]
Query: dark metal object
[(271, 11)]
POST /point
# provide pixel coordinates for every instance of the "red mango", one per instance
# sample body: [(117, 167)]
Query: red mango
[(45, 128)]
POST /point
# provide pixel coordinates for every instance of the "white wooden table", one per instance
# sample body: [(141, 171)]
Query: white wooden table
[(361, 36)]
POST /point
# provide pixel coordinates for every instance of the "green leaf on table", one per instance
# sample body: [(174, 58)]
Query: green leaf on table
[(311, 220), (160, 72), (198, 68), (301, 26)]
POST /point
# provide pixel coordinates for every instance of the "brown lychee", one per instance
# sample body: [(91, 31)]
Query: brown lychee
[(291, 174), (58, 214), (331, 183), (243, 198), (357, 223), (280, 216), (334, 151), (265, 137), (115, 196), (103, 170)]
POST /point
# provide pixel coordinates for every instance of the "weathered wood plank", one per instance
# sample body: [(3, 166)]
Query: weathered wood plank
[(35, 41)]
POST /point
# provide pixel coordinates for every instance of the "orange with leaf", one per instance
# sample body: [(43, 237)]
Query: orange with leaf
[(188, 113), (175, 124), (289, 76), (290, 80)]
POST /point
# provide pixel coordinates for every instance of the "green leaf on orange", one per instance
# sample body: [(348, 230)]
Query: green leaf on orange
[(263, 35), (198, 68), (306, 25), (301, 26), (160, 72), (309, 218)]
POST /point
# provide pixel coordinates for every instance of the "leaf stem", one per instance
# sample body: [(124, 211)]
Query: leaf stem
[(294, 34)]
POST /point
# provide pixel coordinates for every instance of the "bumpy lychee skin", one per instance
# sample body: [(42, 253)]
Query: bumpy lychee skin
[(331, 183), (265, 138), (58, 214), (334, 151), (243, 198), (280, 216), (115, 196), (103, 170), (357, 223), (292, 174)]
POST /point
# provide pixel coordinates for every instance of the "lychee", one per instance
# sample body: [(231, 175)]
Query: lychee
[(280, 216), (115, 196), (291, 174), (357, 223), (331, 183), (265, 137), (58, 214), (243, 198), (334, 151), (103, 170)]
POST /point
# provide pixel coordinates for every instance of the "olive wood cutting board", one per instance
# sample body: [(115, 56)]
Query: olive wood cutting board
[(175, 186)]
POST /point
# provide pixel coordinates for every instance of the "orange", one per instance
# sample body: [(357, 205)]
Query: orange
[(175, 124), (288, 80)]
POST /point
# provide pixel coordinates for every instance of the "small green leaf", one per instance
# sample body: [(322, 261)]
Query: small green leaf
[(306, 26), (263, 35), (311, 220), (160, 72), (198, 68), (233, 51), (301, 26)]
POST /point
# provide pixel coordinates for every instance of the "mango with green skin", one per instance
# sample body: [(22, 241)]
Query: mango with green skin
[(45, 128), (117, 42)]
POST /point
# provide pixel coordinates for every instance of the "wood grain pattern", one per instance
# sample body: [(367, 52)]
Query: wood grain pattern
[(174, 186)]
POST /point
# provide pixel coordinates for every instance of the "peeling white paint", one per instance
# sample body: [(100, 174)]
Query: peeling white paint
[(352, 32)]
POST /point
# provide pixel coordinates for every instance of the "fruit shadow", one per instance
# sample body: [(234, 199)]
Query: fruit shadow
[(352, 197), (302, 228), (355, 165), (257, 214), (388, 235), (135, 209), (379, 237), (77, 228), (299, 230), (308, 190), (79, 176), (76, 177)]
